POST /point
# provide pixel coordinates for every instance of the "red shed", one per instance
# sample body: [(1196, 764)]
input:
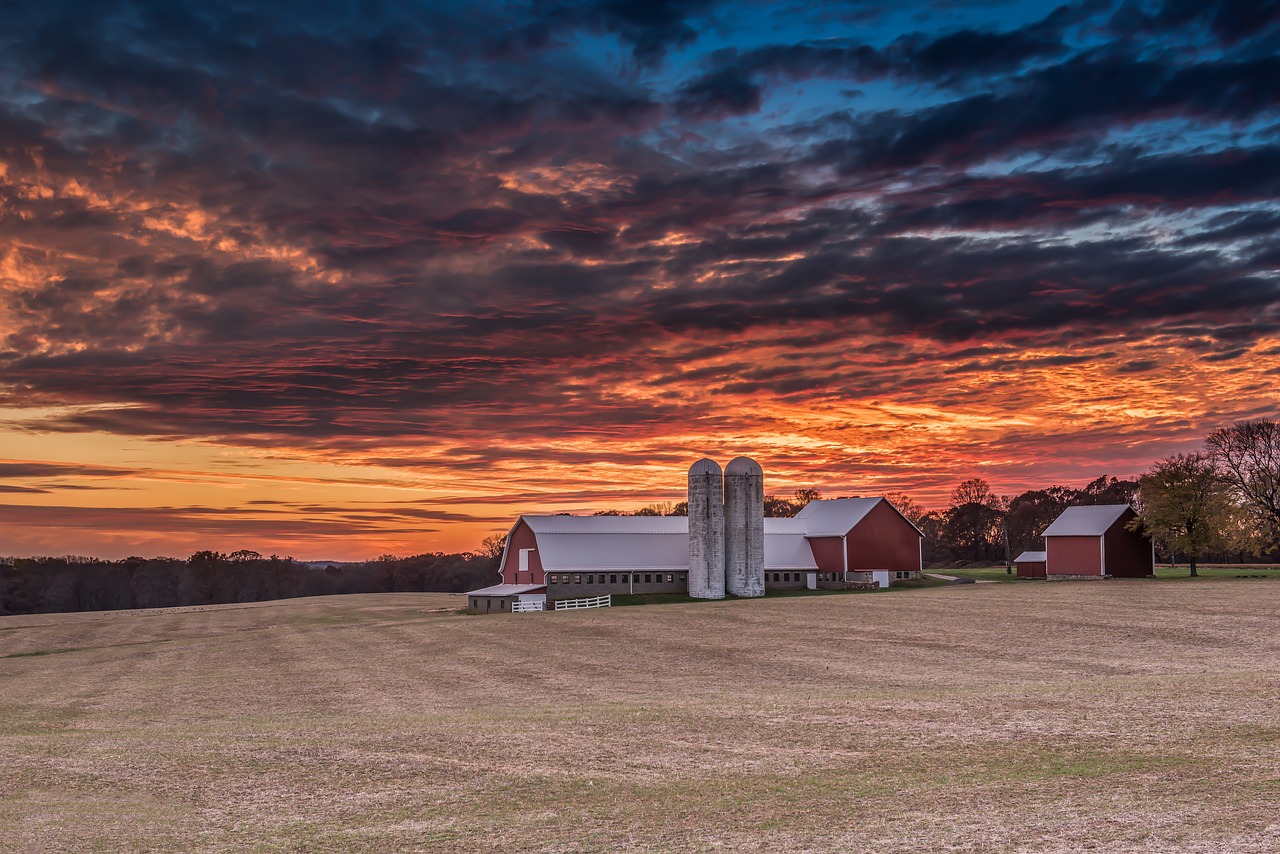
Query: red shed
[(1030, 564), (1095, 542)]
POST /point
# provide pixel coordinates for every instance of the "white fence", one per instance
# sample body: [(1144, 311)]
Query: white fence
[(605, 601), (527, 607)]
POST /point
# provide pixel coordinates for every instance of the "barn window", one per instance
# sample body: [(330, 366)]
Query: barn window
[(524, 559), (648, 579), (577, 579), (670, 578), (683, 578), (613, 579)]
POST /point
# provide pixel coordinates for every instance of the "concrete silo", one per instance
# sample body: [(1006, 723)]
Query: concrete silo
[(744, 527), (706, 530)]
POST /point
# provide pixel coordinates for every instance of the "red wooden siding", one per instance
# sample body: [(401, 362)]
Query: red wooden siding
[(884, 540), (1128, 553), (1073, 555), (522, 538), (1031, 569), (826, 553)]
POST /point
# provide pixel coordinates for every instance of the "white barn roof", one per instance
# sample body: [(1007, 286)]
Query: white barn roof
[(1093, 521), (1032, 557), (506, 589), (835, 517), (788, 551), (661, 543)]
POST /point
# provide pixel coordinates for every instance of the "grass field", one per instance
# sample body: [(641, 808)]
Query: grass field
[(1118, 716), (997, 573)]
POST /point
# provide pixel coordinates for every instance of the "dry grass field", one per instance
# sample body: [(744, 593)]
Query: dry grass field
[(1119, 716)]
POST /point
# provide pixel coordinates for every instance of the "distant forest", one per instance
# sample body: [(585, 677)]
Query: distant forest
[(51, 584)]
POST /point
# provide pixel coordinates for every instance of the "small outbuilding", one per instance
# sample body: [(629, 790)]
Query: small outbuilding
[(1095, 542), (500, 597), (1030, 564)]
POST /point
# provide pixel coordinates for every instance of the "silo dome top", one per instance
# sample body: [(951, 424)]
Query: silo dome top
[(704, 466), (744, 465)]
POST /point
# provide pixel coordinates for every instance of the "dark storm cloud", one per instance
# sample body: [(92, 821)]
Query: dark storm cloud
[(738, 79), (1230, 20), (651, 27), (1076, 98), (402, 226)]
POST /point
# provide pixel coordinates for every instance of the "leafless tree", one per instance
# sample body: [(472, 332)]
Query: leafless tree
[(1247, 455), (492, 546)]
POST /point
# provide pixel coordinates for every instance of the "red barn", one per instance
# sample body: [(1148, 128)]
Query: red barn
[(1095, 542), (1030, 564), (860, 539), (828, 544)]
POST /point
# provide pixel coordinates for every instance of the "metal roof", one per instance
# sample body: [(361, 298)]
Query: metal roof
[(591, 525), (835, 517), (787, 551), (1032, 557), (661, 543), (506, 589), (1091, 521), (704, 466), (665, 552)]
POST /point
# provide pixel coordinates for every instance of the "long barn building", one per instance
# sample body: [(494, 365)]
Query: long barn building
[(828, 544)]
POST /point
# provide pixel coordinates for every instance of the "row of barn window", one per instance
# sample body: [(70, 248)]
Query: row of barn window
[(649, 578), (657, 578)]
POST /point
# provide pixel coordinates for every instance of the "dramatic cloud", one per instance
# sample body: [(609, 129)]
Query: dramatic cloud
[(540, 255)]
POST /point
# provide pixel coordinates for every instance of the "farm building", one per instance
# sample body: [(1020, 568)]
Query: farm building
[(500, 597), (1095, 542), (828, 544), (1030, 564)]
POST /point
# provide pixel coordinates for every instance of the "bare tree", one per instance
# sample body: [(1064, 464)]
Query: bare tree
[(1247, 455), (906, 506), (975, 490), (492, 546)]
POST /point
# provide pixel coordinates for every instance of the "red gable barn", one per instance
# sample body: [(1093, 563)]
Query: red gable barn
[(828, 544), (1095, 542), (1030, 564), (860, 537)]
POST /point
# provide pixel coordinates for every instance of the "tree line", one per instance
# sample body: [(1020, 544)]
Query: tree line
[(52, 584), (1221, 502)]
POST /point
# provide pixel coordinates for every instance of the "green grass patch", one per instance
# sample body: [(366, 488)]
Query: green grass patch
[(622, 599), (982, 573), (917, 583), (1217, 571)]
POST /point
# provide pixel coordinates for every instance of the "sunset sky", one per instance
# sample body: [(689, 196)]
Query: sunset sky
[(336, 279)]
